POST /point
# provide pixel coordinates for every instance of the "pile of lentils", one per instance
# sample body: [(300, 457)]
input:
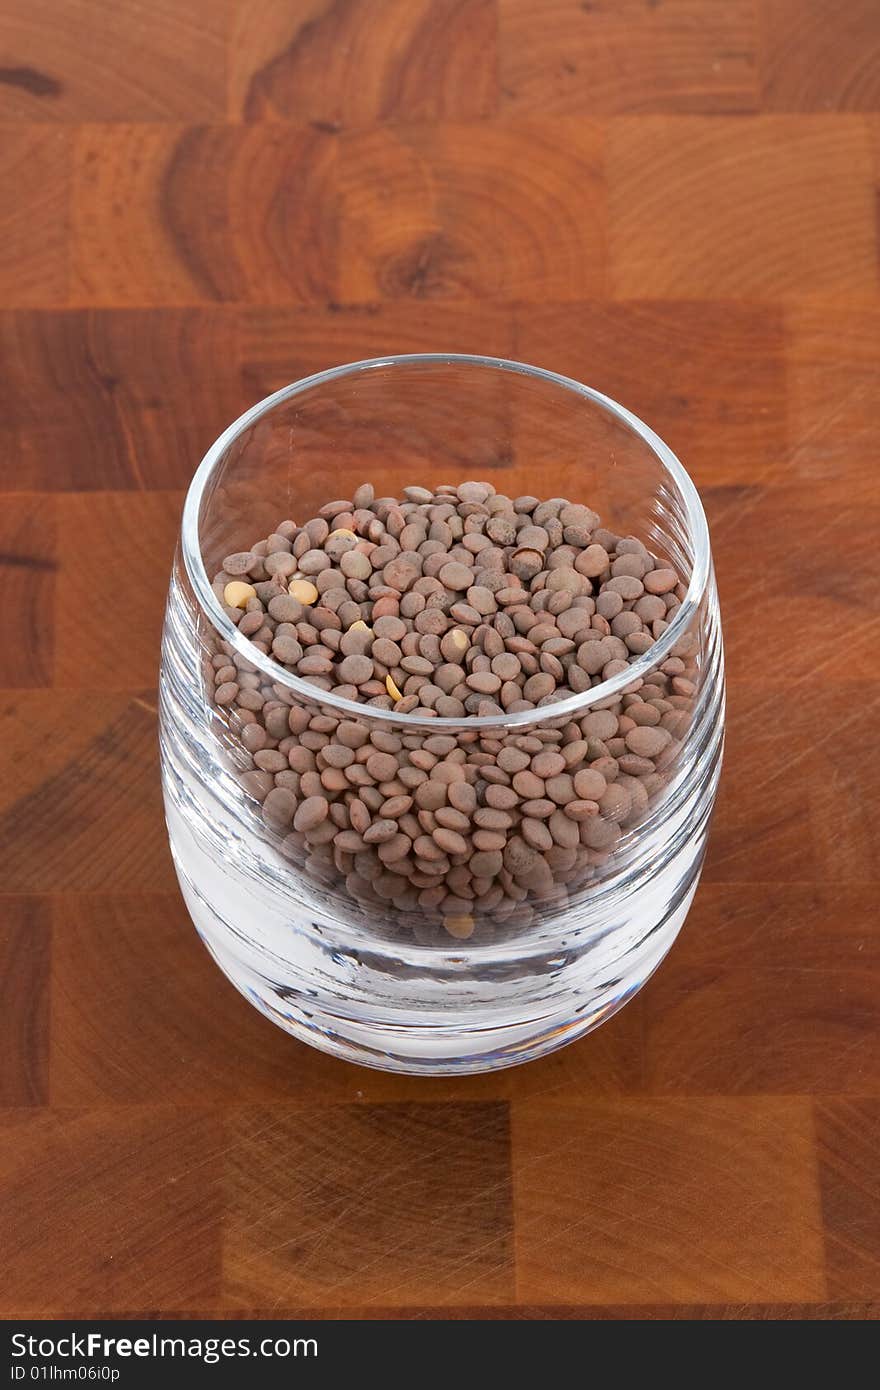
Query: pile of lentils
[(452, 602)]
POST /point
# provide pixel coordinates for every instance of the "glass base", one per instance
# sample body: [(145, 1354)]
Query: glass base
[(457, 1045)]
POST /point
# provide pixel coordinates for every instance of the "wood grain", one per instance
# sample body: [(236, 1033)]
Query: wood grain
[(709, 375), (777, 825), (576, 56), (413, 1198), (833, 376), (727, 1031), (775, 988), (35, 172), (114, 399), (847, 1133), (143, 531), (87, 787), (780, 519), (278, 345), (98, 60), (29, 565), (132, 1198), (818, 56), (693, 1200), (359, 62), (685, 197), (166, 214), (25, 954), (674, 201), (466, 222)]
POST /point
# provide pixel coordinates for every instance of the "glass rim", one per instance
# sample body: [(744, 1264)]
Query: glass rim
[(573, 706)]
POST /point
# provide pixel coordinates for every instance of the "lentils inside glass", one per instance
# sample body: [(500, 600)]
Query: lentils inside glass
[(453, 602)]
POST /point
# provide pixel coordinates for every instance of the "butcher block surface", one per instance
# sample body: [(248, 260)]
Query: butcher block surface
[(673, 201)]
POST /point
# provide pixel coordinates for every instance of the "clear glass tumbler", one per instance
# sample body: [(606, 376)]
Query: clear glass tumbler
[(329, 943)]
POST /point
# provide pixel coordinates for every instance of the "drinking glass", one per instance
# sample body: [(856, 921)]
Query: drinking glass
[(332, 948)]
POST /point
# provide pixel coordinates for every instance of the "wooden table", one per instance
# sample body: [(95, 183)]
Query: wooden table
[(671, 200)]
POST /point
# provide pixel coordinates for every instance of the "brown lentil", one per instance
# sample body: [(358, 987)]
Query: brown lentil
[(453, 602)]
